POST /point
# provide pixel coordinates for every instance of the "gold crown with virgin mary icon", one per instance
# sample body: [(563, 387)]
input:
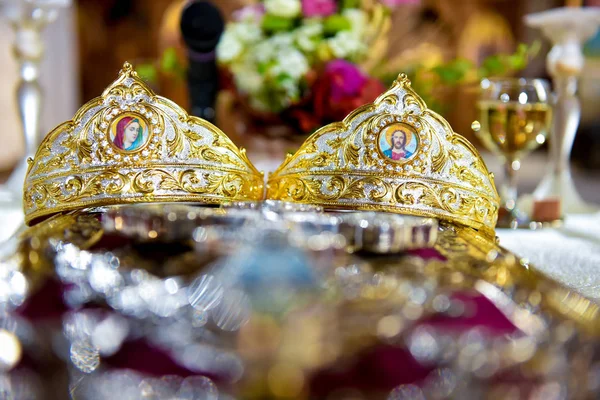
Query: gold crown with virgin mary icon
[(394, 155), (132, 146)]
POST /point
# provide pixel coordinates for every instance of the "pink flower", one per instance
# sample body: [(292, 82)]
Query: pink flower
[(254, 12), (345, 79), (396, 3), (318, 8), (341, 88)]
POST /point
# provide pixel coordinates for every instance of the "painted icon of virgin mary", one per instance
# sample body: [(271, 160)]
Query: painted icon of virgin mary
[(129, 134)]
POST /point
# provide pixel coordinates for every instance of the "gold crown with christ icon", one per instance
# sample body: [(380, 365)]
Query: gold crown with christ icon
[(132, 146), (394, 155)]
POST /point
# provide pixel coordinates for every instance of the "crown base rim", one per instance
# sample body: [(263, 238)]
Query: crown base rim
[(38, 216), (402, 210)]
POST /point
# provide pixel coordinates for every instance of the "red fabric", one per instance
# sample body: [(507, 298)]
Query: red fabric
[(479, 312), (379, 369), (46, 303), (139, 356), (427, 254), (384, 367)]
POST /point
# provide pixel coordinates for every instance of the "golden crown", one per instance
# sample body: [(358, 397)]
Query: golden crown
[(132, 146), (393, 155)]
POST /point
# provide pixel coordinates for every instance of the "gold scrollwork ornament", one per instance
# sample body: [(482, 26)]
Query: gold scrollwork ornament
[(131, 146), (394, 155)]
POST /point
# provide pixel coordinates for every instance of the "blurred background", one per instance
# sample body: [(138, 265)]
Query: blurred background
[(285, 69), (91, 40)]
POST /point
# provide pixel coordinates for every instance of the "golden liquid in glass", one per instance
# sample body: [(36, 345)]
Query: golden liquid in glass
[(512, 129)]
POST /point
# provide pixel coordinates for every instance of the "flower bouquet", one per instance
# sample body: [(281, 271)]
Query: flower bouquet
[(305, 62)]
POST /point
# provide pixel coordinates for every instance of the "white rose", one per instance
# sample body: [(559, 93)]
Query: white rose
[(290, 62), (229, 47), (246, 32), (282, 40), (345, 44), (247, 78), (358, 21), (269, 49), (263, 51), (306, 36), (292, 91), (283, 8)]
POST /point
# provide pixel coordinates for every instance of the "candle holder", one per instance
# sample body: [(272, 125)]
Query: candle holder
[(28, 18), (567, 28)]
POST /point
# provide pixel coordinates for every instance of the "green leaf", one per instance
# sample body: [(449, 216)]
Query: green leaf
[(462, 65), (517, 61), (522, 48), (170, 62), (453, 73), (534, 49), (262, 68), (447, 75), (494, 65), (281, 78), (336, 23), (274, 23), (147, 72), (482, 73), (350, 4)]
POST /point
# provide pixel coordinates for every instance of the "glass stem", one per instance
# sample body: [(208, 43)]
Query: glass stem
[(510, 186)]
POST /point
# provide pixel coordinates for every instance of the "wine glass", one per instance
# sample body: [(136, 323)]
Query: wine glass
[(515, 116)]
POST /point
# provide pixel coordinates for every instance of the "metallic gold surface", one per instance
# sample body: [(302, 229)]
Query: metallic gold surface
[(343, 166), (472, 261), (181, 158), (362, 303), (472, 254)]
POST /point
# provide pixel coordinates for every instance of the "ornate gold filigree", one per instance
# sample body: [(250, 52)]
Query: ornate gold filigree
[(473, 254), (33, 250), (172, 156), (344, 165)]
